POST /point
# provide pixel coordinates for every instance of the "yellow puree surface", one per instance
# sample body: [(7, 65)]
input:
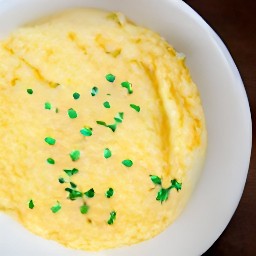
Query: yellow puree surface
[(72, 52)]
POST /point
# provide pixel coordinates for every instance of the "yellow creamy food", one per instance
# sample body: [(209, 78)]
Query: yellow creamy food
[(162, 134)]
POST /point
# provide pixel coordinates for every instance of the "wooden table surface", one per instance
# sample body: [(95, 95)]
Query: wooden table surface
[(235, 22)]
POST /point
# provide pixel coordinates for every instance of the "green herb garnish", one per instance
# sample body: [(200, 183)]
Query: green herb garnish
[(106, 104), (119, 117), (109, 193), (50, 140), (110, 78), (75, 155), (31, 204), (86, 131), (135, 107), (30, 91), (112, 218), (72, 184), (128, 86), (156, 180), (56, 110), (73, 194), (71, 172), (50, 161), (72, 113), (94, 91), (163, 193), (56, 207), (76, 95), (110, 126), (127, 163), (84, 209), (90, 193), (61, 180), (47, 105), (107, 153)]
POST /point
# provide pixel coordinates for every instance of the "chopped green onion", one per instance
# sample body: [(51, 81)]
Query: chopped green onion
[(90, 193), (72, 184), (106, 104), (112, 218), (75, 155), (107, 153), (73, 194), (127, 163), (47, 105), (163, 194), (30, 91), (156, 180), (31, 204), (86, 131), (128, 86), (56, 207), (109, 193), (110, 126), (84, 209), (61, 180), (110, 78), (135, 107), (50, 140), (76, 95), (71, 172), (72, 113), (94, 91), (50, 161), (176, 184), (56, 110), (119, 117)]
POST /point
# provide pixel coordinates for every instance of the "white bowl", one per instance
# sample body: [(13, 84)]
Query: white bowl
[(227, 114)]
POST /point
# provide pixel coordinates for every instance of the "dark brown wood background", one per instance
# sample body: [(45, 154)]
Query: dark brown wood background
[(235, 22)]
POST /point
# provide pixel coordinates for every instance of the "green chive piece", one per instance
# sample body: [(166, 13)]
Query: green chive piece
[(84, 209), (119, 117), (48, 105), (73, 194), (135, 107), (94, 91), (50, 161), (31, 204), (163, 194), (110, 126), (90, 193), (71, 172), (86, 131), (107, 153), (76, 95), (74, 155), (56, 207), (72, 113), (49, 140), (109, 193), (110, 78), (108, 94), (72, 184), (127, 163), (156, 180), (56, 110), (61, 180), (30, 91), (176, 185), (112, 218), (106, 104), (128, 86)]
